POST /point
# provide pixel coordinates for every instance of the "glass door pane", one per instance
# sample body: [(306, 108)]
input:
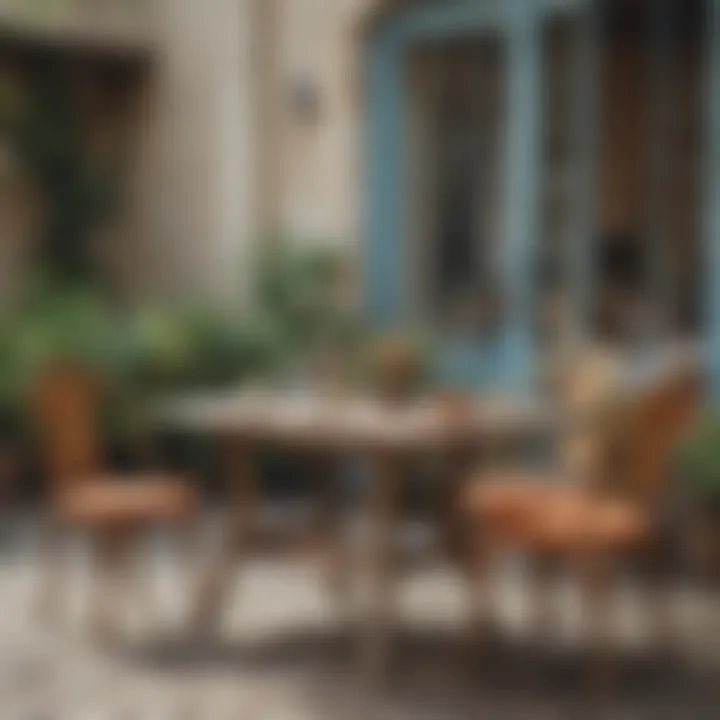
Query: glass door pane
[(457, 155), (647, 231), (567, 175)]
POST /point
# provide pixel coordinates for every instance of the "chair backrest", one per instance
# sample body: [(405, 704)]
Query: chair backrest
[(584, 391), (65, 409), (654, 424)]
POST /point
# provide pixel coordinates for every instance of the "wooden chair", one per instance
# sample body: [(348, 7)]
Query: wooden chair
[(113, 509), (618, 514), (583, 389)]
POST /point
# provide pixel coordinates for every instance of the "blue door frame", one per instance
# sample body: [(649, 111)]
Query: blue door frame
[(520, 22), (508, 361), (712, 205)]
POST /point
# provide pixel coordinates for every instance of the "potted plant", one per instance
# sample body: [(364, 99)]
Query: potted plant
[(398, 366)]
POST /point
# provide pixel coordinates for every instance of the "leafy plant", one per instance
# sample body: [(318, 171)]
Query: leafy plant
[(60, 323), (302, 294), (42, 119), (298, 288), (227, 349), (12, 417), (49, 325), (397, 364), (196, 348), (698, 459)]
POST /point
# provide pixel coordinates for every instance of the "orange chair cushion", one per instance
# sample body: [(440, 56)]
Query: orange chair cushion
[(501, 503), (586, 525), (117, 500)]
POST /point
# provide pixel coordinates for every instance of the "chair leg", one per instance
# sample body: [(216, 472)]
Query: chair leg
[(665, 634), (330, 521), (190, 537), (51, 592), (450, 518), (135, 581), (190, 550), (542, 608), (480, 606), (217, 576), (376, 642), (111, 556), (597, 586)]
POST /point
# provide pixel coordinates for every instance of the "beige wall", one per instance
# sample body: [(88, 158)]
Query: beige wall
[(320, 178), (223, 154), (193, 191), (223, 149)]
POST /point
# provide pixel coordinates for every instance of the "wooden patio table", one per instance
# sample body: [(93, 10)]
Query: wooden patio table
[(385, 435)]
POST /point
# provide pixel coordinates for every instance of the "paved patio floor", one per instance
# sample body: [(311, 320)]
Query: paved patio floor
[(286, 652)]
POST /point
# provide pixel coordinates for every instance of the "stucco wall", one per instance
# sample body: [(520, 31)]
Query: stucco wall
[(318, 43), (225, 154), (193, 190)]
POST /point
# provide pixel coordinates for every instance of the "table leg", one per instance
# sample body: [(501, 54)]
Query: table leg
[(595, 580), (475, 565), (241, 490), (52, 591), (111, 562), (334, 542), (385, 480), (453, 537)]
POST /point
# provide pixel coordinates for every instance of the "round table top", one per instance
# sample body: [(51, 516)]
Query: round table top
[(309, 418)]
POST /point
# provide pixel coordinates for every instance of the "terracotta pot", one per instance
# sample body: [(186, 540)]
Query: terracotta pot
[(455, 405), (396, 369)]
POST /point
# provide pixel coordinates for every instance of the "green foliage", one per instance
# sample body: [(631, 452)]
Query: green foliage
[(159, 350), (303, 291), (46, 8), (140, 354), (300, 291), (44, 123), (196, 349), (65, 323), (12, 417), (226, 350), (51, 324), (698, 459)]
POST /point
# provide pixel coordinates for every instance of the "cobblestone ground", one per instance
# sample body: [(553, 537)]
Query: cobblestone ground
[(286, 653)]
